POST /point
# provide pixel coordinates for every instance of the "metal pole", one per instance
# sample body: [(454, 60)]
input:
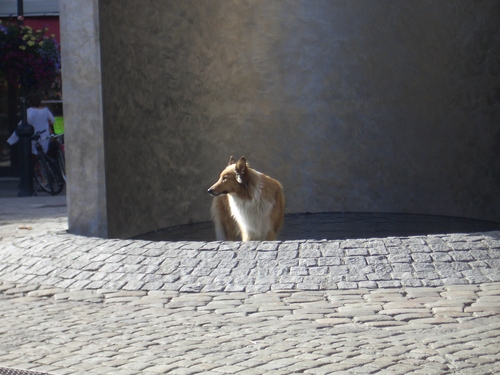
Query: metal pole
[(24, 131), (20, 12)]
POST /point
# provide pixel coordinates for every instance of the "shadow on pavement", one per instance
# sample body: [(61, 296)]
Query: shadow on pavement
[(337, 226)]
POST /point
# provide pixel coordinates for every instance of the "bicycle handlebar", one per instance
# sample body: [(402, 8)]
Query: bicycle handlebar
[(36, 136)]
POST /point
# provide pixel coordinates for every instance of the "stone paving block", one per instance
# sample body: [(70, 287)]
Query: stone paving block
[(480, 254), (447, 310), (45, 292), (306, 298), (329, 261), (491, 288), (433, 320), (355, 276), (373, 318), (331, 252), (389, 284), (334, 321), (287, 254), (400, 258), (299, 271), (356, 311), (385, 294), (399, 311), (421, 257), (20, 289), (356, 252), (347, 285), (355, 261), (367, 284), (411, 316), (385, 324)]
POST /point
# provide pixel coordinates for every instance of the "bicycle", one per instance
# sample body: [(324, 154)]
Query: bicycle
[(48, 173)]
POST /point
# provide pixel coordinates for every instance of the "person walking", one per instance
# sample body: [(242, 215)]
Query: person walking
[(41, 119)]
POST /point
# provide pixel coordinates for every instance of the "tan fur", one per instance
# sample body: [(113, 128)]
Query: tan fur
[(247, 205)]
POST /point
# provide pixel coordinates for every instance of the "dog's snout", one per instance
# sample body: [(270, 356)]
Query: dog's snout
[(216, 193)]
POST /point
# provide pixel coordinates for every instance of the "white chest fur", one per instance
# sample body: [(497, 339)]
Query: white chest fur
[(252, 213)]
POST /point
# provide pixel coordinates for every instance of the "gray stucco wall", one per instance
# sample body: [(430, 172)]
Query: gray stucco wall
[(376, 106), (84, 134)]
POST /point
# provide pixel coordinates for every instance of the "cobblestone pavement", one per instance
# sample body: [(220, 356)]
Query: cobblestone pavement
[(395, 305)]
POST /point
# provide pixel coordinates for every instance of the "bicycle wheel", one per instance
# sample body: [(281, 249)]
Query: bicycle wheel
[(56, 178), (48, 176), (61, 162), (41, 176)]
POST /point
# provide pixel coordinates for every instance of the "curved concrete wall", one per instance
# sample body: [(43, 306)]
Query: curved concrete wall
[(377, 106)]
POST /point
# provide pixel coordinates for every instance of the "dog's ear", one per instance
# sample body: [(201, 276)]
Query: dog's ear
[(241, 165), (231, 161), (241, 170)]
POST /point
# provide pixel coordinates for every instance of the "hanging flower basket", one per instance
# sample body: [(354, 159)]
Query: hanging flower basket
[(28, 58)]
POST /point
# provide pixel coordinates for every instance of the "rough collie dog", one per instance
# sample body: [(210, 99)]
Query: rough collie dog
[(248, 205)]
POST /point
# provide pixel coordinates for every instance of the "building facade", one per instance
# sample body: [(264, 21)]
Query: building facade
[(355, 106)]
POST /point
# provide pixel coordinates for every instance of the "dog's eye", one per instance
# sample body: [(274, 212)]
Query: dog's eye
[(224, 179)]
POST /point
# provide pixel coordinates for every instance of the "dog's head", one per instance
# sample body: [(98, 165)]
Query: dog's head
[(232, 179)]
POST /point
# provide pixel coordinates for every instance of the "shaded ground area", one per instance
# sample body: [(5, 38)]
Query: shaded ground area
[(9, 188), (334, 226)]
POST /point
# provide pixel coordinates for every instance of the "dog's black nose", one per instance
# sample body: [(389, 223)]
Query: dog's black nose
[(210, 191)]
